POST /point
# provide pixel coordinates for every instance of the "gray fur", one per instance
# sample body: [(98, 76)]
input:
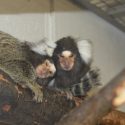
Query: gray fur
[(14, 62)]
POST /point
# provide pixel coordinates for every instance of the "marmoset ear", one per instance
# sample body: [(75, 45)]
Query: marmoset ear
[(86, 50), (43, 47)]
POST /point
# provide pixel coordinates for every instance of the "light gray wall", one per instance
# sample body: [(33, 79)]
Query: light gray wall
[(30, 23)]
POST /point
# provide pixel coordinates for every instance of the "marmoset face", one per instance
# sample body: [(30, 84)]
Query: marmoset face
[(46, 69), (67, 60)]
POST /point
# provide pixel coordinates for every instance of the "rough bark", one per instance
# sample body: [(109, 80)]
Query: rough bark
[(21, 110), (113, 118)]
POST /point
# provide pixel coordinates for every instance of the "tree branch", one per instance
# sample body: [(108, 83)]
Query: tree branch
[(23, 111), (113, 118)]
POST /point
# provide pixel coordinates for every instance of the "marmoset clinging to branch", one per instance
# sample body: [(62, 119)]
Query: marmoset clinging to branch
[(72, 60), (44, 67), (43, 63), (14, 60)]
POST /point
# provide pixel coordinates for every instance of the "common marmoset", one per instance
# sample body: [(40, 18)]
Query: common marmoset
[(43, 63), (14, 62), (44, 67), (72, 60)]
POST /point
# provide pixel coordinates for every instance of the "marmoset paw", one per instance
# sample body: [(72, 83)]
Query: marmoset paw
[(38, 96)]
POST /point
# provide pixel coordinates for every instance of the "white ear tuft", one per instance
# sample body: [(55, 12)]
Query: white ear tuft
[(44, 47), (85, 50), (50, 47)]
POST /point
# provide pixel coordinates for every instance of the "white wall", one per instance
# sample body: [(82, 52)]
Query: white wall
[(23, 26), (29, 24)]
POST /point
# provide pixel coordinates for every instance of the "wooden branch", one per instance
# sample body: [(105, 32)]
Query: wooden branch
[(92, 110), (22, 110), (113, 118)]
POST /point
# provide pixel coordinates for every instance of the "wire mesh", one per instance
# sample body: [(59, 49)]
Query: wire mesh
[(108, 6)]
